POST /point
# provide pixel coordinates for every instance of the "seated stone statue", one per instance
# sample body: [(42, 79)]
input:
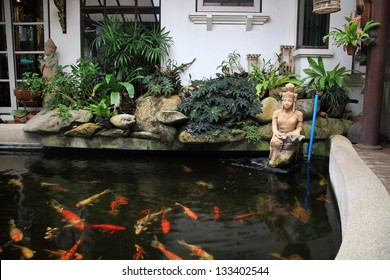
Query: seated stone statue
[(286, 129)]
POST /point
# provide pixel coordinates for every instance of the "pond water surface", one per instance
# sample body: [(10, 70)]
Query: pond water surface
[(243, 210)]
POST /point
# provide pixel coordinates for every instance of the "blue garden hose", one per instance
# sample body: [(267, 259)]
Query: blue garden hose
[(313, 124)]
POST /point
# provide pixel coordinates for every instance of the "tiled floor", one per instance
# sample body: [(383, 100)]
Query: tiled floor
[(378, 161)]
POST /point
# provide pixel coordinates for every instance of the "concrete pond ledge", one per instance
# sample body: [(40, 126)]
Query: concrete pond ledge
[(364, 204)]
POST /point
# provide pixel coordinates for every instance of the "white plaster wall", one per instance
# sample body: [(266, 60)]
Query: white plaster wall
[(210, 48), (68, 44)]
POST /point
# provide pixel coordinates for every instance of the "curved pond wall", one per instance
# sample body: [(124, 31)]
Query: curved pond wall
[(364, 204)]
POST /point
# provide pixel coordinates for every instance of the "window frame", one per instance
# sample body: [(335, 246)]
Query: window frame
[(200, 7), (301, 25)]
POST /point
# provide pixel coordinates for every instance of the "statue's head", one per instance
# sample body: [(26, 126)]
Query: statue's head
[(289, 92), (50, 46)]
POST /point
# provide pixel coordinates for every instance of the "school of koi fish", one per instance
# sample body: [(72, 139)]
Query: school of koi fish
[(81, 231)]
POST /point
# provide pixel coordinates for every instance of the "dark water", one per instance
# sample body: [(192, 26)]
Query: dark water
[(236, 185)]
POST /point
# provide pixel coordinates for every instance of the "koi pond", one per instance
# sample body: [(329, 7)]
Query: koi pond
[(128, 206)]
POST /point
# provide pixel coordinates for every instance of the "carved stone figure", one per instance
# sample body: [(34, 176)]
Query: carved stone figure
[(286, 129), (49, 64)]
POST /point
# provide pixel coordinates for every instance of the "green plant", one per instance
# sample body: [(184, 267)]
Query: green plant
[(111, 89), (215, 101), (61, 90), (125, 46), (32, 82), (252, 133), (271, 77), (166, 81), (64, 112), (232, 65), (85, 75), (331, 85), (351, 34), (100, 110), (18, 113)]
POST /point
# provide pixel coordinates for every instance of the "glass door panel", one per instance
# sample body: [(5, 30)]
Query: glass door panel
[(29, 37), (27, 10)]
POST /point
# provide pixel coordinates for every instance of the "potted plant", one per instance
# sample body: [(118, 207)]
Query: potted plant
[(20, 116), (30, 87), (330, 85), (351, 36)]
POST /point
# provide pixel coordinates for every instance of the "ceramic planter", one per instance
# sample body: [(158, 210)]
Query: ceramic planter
[(26, 95)]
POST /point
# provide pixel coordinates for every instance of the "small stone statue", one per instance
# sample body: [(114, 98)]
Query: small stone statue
[(49, 64), (286, 129)]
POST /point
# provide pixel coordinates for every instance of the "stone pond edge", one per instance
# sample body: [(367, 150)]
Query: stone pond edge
[(364, 204)]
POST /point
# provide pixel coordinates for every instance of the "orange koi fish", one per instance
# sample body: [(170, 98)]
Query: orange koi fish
[(322, 182), (70, 254), (15, 233), (205, 184), (157, 244), (244, 216), (323, 198), (145, 211), (90, 199), (187, 169), (26, 252), (139, 252), (189, 213), (165, 224), (217, 213), (142, 223), (300, 212), (106, 227), (121, 200), (113, 206), (69, 216), (15, 183), (60, 253), (55, 187), (196, 250)]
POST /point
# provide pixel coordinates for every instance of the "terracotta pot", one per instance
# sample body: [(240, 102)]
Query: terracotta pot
[(26, 95), (351, 49), (20, 120)]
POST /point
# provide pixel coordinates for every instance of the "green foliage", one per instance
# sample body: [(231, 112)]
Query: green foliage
[(111, 89), (252, 133), (166, 81), (18, 113), (125, 46), (329, 84), (272, 76), (62, 90), (350, 33), (84, 75), (100, 110), (32, 82), (215, 101), (64, 112), (232, 67)]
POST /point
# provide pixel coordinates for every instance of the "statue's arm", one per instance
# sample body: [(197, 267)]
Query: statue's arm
[(275, 130), (298, 128)]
